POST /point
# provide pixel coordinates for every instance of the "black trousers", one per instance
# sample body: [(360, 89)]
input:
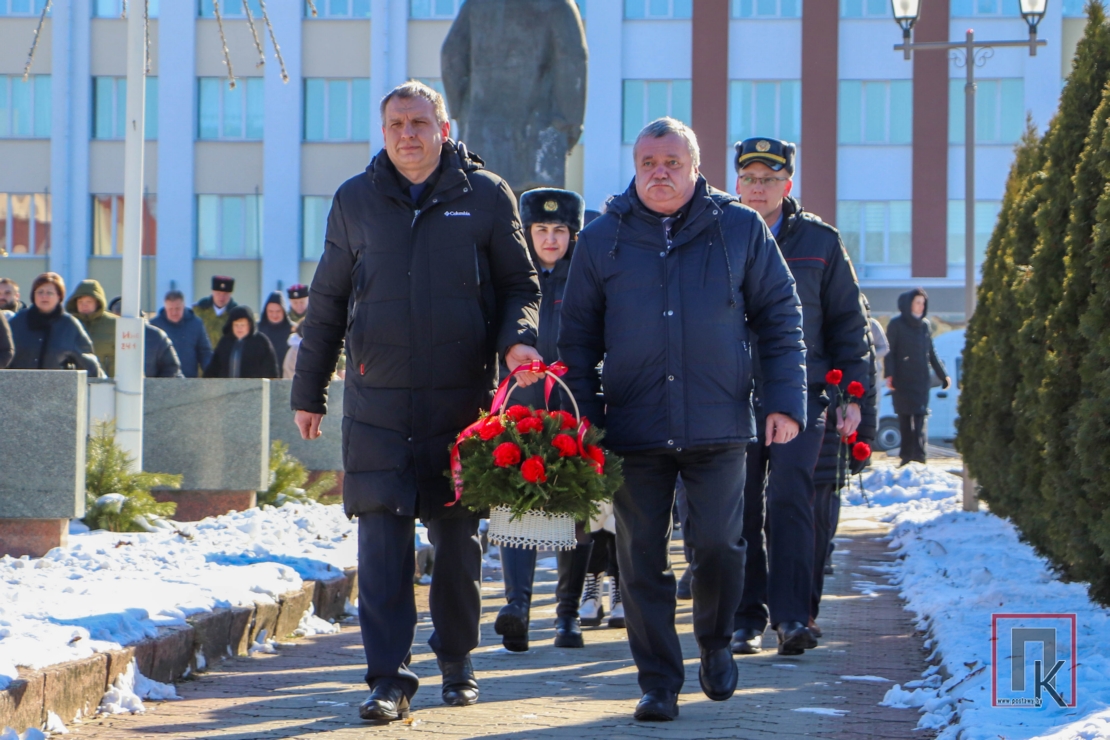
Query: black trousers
[(779, 528), (603, 558), (826, 509), (714, 480), (913, 437), (387, 603)]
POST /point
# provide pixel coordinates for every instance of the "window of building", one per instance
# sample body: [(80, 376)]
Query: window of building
[(107, 225), (229, 9), (229, 226), (110, 107), (227, 112), (986, 214), (877, 236), (434, 9), (25, 107), (337, 110), (646, 100), (315, 224), (875, 112), (970, 8), (24, 224), (999, 111), (338, 9), (658, 9), (114, 8), (765, 108), (766, 8), (865, 9), (22, 7)]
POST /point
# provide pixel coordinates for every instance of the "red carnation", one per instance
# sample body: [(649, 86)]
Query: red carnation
[(855, 389), (566, 420), (491, 428), (597, 457), (565, 444), (851, 438), (518, 412), (861, 451), (533, 470), (833, 377), (506, 454), (530, 424)]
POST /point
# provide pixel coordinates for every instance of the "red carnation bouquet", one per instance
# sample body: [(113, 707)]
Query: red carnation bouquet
[(850, 444), (522, 462)]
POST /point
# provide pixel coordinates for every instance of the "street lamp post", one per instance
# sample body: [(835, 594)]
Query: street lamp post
[(970, 54)]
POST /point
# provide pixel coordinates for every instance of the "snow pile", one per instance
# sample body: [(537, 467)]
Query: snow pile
[(955, 570), (108, 589), (311, 624), (126, 694)]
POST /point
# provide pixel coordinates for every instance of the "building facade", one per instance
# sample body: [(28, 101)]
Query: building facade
[(239, 178)]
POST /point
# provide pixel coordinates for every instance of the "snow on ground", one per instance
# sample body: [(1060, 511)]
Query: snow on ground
[(955, 570), (108, 589)]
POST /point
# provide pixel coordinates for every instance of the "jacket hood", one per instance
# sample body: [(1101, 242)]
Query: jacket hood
[(88, 288), (275, 297), (239, 312), (905, 303)]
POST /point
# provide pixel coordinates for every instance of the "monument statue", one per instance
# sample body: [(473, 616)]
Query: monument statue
[(515, 76)]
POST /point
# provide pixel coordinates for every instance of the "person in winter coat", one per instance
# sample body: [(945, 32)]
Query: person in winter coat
[(48, 338), (213, 309), (275, 324), (7, 349), (186, 331), (832, 475), (907, 370), (298, 302), (243, 352), (779, 503), (426, 272), (289, 364), (552, 219), (159, 356), (667, 286), (90, 306), (9, 297)]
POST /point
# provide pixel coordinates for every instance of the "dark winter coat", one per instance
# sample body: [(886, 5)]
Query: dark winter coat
[(427, 294), (100, 325), (257, 359), (214, 323), (278, 333), (54, 341), (911, 355), (159, 358), (7, 349), (190, 340), (868, 427), (673, 324)]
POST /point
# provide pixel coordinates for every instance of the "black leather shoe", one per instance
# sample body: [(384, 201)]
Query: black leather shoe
[(512, 625), (657, 705), (794, 638), (718, 674), (684, 590), (747, 641), (568, 633), (460, 687), (387, 703), (814, 629)]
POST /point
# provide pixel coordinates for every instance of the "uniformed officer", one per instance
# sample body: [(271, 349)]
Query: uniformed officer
[(213, 310), (779, 574)]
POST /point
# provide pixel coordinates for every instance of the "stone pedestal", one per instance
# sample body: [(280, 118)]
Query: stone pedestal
[(34, 537), (322, 453), (192, 506)]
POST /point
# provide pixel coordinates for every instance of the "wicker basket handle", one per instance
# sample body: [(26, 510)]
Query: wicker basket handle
[(548, 373)]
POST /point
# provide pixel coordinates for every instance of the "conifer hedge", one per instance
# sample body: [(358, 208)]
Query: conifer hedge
[(1034, 415)]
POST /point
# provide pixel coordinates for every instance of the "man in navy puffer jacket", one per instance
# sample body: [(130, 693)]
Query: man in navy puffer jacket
[(665, 287)]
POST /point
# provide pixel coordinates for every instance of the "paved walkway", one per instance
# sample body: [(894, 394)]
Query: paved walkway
[(312, 689)]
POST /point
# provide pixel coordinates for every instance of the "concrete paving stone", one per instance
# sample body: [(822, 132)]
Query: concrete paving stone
[(239, 636), (173, 653), (22, 702), (212, 635), (68, 687), (265, 618), (293, 606)]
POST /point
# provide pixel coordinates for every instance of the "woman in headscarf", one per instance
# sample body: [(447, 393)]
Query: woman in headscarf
[(276, 326), (242, 352)]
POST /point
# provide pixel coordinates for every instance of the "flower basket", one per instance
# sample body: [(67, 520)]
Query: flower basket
[(537, 471)]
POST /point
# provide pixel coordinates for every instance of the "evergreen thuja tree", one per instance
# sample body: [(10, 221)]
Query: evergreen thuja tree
[(288, 479), (116, 497), (985, 425)]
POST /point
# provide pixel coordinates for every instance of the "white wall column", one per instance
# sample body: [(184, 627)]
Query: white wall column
[(281, 160), (177, 116), (1043, 74), (389, 41), (601, 138)]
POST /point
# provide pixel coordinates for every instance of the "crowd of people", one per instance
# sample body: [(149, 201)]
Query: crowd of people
[(216, 338)]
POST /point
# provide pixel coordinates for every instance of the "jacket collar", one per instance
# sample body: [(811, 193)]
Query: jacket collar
[(701, 211), (454, 160)]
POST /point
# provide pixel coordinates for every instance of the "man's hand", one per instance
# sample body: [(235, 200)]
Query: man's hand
[(522, 354), (947, 383), (780, 429), (890, 383), (308, 423), (845, 427)]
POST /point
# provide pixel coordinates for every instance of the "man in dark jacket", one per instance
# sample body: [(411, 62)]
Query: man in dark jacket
[(186, 331), (907, 370), (159, 357), (668, 286), (426, 272), (213, 309), (779, 577)]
